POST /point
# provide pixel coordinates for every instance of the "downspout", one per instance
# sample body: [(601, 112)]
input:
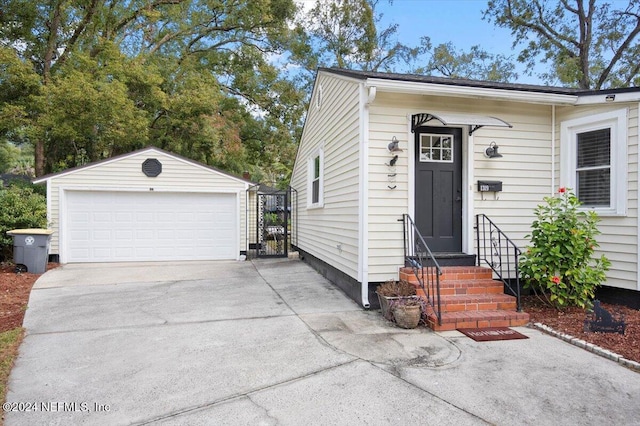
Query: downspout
[(366, 98), (553, 149)]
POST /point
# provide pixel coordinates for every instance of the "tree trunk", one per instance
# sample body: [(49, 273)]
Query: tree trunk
[(38, 154)]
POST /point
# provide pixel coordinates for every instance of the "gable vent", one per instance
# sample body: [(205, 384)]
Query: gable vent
[(151, 167)]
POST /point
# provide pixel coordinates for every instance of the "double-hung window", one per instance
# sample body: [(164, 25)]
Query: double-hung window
[(593, 160), (593, 168), (315, 179)]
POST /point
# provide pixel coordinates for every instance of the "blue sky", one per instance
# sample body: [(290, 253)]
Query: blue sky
[(457, 21)]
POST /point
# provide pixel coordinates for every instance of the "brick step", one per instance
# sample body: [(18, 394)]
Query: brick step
[(461, 287), (477, 319), (478, 302), (451, 273)]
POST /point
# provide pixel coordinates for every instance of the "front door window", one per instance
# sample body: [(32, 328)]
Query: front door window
[(436, 148)]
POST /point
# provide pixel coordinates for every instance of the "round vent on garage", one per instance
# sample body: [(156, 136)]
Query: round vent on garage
[(151, 167)]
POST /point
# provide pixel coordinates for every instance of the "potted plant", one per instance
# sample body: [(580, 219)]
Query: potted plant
[(393, 292), (407, 311)]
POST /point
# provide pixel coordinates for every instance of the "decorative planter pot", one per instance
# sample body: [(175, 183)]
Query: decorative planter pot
[(407, 316), (385, 305)]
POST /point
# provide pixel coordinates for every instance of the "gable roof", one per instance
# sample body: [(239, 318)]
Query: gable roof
[(150, 150)]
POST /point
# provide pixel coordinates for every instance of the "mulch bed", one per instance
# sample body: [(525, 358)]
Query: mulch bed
[(14, 295), (571, 321)]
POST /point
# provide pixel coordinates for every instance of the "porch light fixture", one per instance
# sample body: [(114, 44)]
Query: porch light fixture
[(394, 145), (492, 151)]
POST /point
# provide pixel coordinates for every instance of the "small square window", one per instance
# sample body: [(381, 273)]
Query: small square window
[(436, 148)]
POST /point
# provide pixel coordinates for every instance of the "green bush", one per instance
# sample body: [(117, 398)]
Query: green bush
[(20, 207), (559, 266)]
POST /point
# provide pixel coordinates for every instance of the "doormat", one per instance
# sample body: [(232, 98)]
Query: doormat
[(491, 333)]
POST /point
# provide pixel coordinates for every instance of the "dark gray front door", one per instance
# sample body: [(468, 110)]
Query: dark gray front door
[(439, 187)]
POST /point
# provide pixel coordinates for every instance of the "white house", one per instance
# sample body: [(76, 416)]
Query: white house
[(353, 187)]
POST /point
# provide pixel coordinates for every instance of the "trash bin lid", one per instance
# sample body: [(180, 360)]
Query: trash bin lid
[(34, 231)]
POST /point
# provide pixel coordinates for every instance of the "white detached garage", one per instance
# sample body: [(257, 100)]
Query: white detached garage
[(148, 205)]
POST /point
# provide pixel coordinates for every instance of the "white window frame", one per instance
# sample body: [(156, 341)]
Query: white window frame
[(318, 153), (424, 136), (616, 121)]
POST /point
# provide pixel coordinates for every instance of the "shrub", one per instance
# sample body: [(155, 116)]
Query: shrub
[(559, 266), (20, 207)]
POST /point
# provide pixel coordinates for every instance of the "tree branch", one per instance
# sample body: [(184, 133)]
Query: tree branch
[(78, 31), (618, 54)]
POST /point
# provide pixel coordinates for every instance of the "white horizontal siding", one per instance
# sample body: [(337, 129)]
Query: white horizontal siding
[(619, 238), (525, 169), (331, 232), (125, 174)]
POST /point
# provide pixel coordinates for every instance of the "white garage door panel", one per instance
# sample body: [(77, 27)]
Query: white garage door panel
[(150, 226)]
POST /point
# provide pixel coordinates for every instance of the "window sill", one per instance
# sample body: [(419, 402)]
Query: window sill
[(315, 206), (604, 212)]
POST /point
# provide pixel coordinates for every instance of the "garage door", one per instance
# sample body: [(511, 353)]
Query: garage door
[(149, 226)]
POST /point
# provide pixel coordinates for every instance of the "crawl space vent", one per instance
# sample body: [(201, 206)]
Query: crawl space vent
[(151, 167)]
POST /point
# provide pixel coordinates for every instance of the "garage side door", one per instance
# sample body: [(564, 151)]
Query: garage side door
[(149, 226)]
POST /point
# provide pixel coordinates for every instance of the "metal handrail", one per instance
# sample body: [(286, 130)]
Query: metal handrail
[(494, 250), (425, 267)]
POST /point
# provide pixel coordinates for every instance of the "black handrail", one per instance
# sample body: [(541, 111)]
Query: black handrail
[(425, 267), (500, 253)]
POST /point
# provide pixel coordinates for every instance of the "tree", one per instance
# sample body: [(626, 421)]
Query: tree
[(476, 64), (345, 34), (109, 75), (589, 44), (9, 155)]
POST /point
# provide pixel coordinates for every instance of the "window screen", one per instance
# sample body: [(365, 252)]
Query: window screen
[(315, 185), (593, 171)]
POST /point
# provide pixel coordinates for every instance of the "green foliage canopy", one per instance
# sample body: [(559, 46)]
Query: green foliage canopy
[(20, 208), (95, 78), (589, 44)]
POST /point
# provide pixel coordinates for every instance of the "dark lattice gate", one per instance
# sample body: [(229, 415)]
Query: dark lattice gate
[(273, 224), (270, 225)]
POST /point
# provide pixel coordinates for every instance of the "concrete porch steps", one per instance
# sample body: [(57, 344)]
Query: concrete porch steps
[(470, 298)]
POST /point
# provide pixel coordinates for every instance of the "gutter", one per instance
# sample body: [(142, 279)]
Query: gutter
[(367, 96)]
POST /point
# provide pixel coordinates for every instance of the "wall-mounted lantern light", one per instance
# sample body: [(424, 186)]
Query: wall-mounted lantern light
[(492, 151)]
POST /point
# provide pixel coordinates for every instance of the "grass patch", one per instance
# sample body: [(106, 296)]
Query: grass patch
[(9, 343)]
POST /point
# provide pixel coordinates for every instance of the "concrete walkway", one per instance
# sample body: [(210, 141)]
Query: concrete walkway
[(271, 342)]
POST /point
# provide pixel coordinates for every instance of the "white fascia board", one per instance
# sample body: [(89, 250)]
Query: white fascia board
[(600, 99), (93, 165), (417, 88), (148, 151)]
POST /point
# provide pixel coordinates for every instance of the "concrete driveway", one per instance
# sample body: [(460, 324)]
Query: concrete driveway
[(271, 342)]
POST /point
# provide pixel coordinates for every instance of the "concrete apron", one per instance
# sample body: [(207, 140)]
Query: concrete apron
[(272, 342)]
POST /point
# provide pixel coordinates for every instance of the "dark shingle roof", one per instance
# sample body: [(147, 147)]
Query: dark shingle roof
[(416, 78)]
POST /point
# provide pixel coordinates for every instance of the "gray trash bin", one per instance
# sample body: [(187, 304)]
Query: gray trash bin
[(31, 249)]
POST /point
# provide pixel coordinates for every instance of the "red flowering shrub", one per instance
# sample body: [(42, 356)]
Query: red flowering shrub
[(560, 265)]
